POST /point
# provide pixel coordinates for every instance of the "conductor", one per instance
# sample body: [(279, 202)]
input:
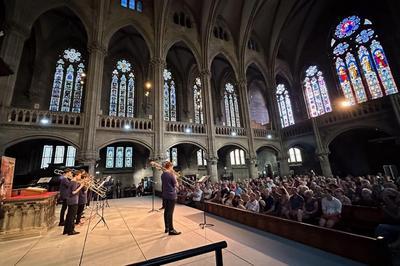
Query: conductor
[(169, 196)]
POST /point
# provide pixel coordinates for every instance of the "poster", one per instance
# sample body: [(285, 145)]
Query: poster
[(6, 176)]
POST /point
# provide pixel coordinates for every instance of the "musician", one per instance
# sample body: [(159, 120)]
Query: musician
[(169, 185), (72, 201), (64, 183), (82, 200)]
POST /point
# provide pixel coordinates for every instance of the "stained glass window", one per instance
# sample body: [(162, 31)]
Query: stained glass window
[(119, 157), (201, 158), (169, 96), (128, 156), (110, 157), (316, 92), (122, 90), (295, 155), (58, 156), (172, 156), (198, 102), (124, 3), (46, 156), (67, 91), (132, 4), (139, 6), (71, 153), (363, 74), (237, 157), (284, 105), (232, 114)]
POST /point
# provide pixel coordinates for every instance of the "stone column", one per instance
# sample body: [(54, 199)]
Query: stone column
[(284, 169), (94, 83), (157, 66), (321, 151), (11, 52), (252, 165), (212, 157), (395, 100), (212, 169)]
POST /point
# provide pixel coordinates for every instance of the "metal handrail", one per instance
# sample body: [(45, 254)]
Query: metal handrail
[(217, 247)]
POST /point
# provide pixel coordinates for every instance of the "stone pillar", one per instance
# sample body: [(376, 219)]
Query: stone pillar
[(284, 169), (94, 83), (321, 151), (212, 169), (252, 165), (157, 66), (245, 115), (324, 162), (11, 52), (395, 100)]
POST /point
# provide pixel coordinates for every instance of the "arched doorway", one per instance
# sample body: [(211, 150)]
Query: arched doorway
[(232, 164), (363, 151), (267, 164), (38, 158)]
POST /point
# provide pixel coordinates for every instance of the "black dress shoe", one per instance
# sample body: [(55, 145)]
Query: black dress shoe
[(73, 233), (166, 231), (174, 233)]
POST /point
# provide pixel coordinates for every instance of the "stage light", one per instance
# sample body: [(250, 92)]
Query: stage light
[(269, 136), (127, 127), (147, 85), (345, 103), (82, 82), (233, 133), (83, 74), (44, 121), (188, 130)]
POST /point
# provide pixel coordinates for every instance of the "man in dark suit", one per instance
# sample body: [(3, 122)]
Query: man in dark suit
[(64, 184)]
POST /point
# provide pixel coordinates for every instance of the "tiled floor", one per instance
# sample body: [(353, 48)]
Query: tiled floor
[(135, 234)]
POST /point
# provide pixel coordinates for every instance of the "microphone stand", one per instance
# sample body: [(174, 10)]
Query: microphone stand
[(152, 197), (204, 224)]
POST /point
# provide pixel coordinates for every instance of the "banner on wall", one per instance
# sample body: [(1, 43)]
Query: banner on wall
[(6, 176)]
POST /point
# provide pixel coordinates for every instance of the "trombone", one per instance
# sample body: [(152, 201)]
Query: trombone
[(90, 183), (178, 175)]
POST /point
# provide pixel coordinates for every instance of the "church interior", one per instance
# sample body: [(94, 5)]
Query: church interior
[(272, 113)]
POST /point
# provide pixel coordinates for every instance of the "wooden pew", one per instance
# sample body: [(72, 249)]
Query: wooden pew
[(362, 217), (360, 248)]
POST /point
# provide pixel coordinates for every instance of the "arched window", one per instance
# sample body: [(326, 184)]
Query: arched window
[(169, 96), (122, 93), (361, 64), (172, 156), (66, 95), (316, 93), (295, 155), (119, 157), (201, 158), (284, 106), (232, 115), (198, 102), (133, 4), (237, 157)]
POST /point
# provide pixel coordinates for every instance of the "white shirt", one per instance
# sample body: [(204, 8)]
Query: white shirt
[(197, 195), (253, 206), (333, 206)]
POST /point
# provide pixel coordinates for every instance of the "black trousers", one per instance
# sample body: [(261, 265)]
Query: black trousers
[(169, 213), (62, 212), (69, 221), (81, 207)]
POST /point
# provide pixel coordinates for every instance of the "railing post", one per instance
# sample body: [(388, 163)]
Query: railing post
[(218, 257)]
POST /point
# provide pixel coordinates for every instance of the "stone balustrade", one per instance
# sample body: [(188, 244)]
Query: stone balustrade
[(183, 127), (127, 123), (263, 133), (19, 116), (230, 131)]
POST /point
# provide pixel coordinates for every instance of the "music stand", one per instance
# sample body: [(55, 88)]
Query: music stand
[(153, 195), (101, 204), (204, 224)]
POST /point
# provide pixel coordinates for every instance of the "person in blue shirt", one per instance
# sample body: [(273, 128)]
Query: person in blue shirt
[(169, 196), (64, 184)]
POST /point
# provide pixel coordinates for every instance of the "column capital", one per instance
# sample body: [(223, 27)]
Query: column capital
[(205, 72), (97, 47), (13, 27), (212, 160), (158, 61), (242, 82)]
